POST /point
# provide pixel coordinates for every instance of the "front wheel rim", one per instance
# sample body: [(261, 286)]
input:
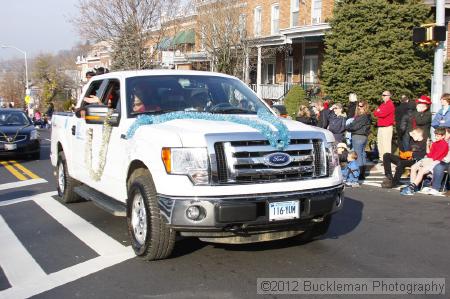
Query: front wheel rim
[(139, 219), (61, 178)]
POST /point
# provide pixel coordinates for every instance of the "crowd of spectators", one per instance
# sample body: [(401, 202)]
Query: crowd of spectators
[(412, 151)]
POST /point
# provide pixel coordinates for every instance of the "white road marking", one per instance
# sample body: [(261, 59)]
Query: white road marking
[(83, 230), (27, 198), (27, 278), (19, 271), (22, 183), (53, 280)]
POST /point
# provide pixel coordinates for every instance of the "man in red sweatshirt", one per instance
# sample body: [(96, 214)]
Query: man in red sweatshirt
[(385, 114)]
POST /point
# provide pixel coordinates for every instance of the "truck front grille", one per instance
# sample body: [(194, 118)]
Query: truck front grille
[(244, 161)]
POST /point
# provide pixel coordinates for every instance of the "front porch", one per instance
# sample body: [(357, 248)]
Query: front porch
[(291, 58)]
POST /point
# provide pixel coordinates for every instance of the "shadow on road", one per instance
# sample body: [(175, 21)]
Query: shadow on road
[(344, 222)]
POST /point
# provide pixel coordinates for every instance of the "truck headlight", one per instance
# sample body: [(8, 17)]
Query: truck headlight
[(34, 135), (332, 157), (192, 162)]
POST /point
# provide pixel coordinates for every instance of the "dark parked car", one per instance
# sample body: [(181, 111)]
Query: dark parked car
[(18, 136)]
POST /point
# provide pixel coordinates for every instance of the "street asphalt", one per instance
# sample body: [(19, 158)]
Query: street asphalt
[(378, 234)]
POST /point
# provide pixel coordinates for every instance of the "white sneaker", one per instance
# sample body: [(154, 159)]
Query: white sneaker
[(425, 190), (435, 192)]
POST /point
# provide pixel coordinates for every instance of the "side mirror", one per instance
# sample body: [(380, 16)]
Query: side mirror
[(96, 114)]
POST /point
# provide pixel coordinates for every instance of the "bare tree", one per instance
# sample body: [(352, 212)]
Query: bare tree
[(12, 82), (126, 24), (222, 28)]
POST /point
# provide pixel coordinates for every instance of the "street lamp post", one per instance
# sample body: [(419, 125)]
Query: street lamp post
[(27, 90)]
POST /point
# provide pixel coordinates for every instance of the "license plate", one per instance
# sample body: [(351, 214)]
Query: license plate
[(10, 146), (282, 210)]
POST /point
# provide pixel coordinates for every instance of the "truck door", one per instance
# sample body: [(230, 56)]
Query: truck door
[(105, 150), (79, 130)]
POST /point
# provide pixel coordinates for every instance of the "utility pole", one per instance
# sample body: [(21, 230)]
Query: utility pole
[(438, 73)]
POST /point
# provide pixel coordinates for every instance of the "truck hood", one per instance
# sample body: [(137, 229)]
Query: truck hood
[(192, 132)]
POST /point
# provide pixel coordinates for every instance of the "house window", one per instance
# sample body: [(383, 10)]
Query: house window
[(257, 21), (289, 69), (310, 69), (242, 26), (295, 9), (275, 28), (316, 11), (202, 39), (269, 72)]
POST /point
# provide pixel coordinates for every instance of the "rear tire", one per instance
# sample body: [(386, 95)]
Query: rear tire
[(65, 183), (151, 236)]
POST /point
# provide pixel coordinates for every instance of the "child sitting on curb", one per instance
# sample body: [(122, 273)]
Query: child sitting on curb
[(439, 172), (435, 154), (350, 173)]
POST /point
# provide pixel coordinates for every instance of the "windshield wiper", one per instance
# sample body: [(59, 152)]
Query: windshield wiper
[(232, 110)]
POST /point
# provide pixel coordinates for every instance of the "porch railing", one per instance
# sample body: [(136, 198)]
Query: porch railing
[(277, 92)]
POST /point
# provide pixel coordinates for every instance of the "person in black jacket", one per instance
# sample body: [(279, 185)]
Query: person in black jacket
[(405, 108), (304, 115), (336, 123), (324, 115), (360, 129), (418, 118), (418, 146)]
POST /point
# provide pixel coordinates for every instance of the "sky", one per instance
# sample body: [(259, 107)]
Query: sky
[(37, 26)]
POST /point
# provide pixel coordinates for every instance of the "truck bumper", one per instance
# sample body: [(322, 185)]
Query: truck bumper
[(226, 216)]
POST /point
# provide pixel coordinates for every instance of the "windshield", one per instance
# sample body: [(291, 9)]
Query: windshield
[(161, 94), (13, 118)]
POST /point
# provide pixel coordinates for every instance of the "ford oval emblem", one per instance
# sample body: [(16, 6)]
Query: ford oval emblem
[(277, 159)]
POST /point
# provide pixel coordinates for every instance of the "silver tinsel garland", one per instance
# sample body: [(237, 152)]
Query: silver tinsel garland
[(96, 175)]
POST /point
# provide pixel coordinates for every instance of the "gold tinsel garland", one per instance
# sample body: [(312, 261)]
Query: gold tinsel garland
[(96, 175)]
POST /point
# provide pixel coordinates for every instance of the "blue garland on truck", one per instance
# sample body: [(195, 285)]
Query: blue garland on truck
[(278, 138)]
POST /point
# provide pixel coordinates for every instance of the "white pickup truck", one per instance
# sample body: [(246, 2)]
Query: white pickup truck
[(197, 154)]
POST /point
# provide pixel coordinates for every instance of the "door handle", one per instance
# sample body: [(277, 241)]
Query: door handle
[(73, 130)]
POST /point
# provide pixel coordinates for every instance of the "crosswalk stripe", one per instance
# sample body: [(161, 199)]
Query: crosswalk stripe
[(21, 184), (83, 230), (24, 169), (13, 171), (53, 280), (13, 266)]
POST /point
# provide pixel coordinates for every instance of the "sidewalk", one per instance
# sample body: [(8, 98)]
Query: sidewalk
[(375, 175)]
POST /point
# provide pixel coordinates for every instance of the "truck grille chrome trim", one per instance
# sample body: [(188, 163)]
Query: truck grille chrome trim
[(244, 161)]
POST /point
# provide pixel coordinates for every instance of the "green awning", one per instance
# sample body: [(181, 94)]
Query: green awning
[(184, 37)]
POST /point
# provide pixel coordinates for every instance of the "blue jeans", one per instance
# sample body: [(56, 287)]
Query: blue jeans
[(359, 143), (438, 175)]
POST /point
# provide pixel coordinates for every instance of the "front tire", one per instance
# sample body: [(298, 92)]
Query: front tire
[(151, 237), (65, 183)]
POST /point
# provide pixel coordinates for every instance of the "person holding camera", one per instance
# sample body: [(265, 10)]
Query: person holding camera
[(336, 122)]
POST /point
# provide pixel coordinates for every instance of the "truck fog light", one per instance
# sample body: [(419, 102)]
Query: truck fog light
[(194, 213), (338, 200)]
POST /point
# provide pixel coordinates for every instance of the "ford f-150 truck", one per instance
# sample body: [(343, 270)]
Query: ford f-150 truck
[(197, 154)]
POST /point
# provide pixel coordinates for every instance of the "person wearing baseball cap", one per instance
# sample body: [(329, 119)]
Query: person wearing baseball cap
[(419, 118)]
